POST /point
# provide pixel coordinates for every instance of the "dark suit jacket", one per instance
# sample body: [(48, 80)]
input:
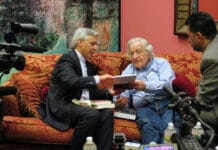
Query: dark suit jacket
[(207, 88), (66, 83)]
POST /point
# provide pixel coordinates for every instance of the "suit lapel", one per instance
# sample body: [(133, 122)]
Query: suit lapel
[(75, 60)]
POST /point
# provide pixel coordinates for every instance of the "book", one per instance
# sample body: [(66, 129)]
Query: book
[(123, 81), (96, 104), (125, 113), (101, 104)]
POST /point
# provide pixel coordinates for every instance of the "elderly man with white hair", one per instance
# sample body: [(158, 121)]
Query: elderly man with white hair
[(147, 95)]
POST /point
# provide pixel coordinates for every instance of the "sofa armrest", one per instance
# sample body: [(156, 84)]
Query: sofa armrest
[(10, 105)]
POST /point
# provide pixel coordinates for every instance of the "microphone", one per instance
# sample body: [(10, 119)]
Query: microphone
[(7, 90), (23, 47), (24, 27)]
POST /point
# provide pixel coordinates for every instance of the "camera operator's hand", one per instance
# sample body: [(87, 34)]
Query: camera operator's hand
[(187, 106)]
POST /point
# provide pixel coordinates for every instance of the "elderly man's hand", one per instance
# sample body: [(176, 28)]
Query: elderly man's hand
[(138, 85), (121, 101)]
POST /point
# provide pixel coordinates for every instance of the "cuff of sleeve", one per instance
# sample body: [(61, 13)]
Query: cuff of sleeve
[(97, 80)]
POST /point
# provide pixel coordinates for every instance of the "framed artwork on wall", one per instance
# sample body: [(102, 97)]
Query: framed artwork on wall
[(182, 11), (183, 8)]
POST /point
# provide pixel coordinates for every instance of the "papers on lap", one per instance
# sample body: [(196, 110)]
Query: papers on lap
[(101, 104), (96, 104), (125, 113), (122, 81)]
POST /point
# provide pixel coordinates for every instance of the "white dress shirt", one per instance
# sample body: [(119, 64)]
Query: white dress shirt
[(85, 92)]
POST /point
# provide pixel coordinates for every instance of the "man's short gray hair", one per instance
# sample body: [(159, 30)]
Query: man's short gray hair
[(81, 34), (147, 46)]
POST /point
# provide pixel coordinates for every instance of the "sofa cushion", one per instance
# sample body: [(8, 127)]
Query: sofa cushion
[(182, 84), (29, 98), (39, 67), (186, 64), (32, 130), (128, 127), (111, 63)]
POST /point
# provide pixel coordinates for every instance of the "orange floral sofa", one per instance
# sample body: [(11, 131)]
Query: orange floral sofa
[(21, 122)]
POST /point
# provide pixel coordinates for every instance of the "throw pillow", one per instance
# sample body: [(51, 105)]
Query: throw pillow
[(44, 93), (182, 84), (29, 98)]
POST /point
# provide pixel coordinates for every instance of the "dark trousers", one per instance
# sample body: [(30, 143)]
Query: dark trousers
[(91, 122)]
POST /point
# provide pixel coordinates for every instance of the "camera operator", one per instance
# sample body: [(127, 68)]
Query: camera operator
[(202, 35)]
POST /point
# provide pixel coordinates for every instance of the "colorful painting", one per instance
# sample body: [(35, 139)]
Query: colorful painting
[(57, 20)]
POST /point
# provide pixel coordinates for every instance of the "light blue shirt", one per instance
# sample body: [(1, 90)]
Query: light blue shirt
[(156, 74)]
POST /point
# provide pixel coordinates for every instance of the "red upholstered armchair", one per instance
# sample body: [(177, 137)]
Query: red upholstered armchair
[(21, 122)]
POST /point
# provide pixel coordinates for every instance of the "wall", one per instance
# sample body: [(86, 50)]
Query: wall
[(209, 6), (153, 20)]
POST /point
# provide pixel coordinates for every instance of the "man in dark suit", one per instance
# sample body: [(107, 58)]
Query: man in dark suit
[(74, 77)]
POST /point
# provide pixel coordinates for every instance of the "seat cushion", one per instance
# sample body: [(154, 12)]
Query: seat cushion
[(32, 130), (128, 127)]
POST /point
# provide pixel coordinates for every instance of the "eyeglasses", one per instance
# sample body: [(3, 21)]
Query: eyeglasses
[(136, 52)]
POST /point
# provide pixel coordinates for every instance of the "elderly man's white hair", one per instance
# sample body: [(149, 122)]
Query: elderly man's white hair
[(147, 46), (82, 33)]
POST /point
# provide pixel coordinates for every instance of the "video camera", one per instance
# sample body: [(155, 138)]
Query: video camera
[(189, 109), (9, 57)]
